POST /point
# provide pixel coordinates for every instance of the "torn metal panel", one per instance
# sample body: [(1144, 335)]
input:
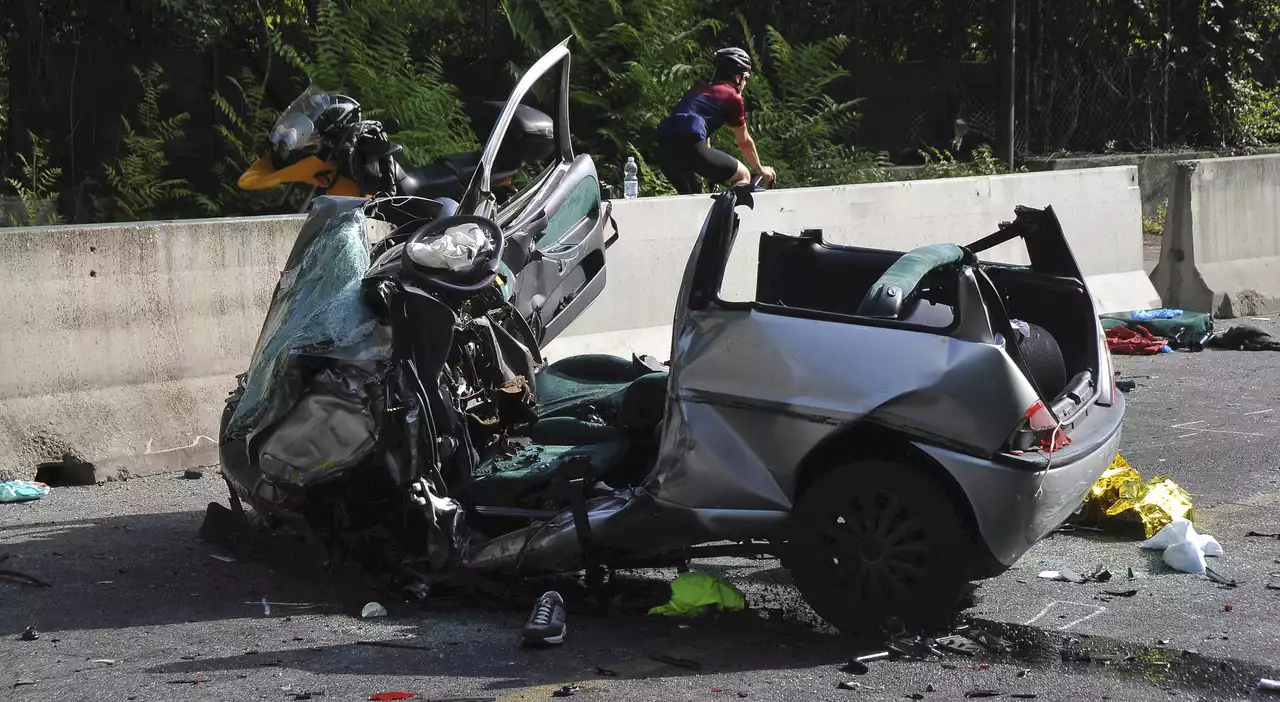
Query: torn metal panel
[(550, 546)]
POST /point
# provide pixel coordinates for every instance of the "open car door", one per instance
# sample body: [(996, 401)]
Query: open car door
[(555, 225)]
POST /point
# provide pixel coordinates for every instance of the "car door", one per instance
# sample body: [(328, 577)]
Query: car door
[(555, 226)]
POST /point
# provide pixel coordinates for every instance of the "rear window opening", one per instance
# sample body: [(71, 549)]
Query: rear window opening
[(1051, 317), (805, 273)]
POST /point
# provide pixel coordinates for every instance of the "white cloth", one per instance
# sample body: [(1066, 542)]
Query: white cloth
[(456, 249), (1184, 549)]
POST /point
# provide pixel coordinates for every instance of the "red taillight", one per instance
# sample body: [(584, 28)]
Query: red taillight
[(1048, 434)]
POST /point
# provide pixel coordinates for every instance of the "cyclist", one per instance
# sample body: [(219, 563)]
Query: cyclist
[(684, 137)]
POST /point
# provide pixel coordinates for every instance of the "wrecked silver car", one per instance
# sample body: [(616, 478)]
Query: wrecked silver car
[(891, 425)]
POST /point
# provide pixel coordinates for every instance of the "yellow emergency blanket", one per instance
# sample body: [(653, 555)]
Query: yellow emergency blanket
[(1120, 502), (694, 593)]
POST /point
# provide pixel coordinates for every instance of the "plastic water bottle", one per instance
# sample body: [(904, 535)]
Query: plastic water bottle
[(630, 181)]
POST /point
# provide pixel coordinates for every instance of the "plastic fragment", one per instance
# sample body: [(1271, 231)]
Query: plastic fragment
[(1269, 685), (982, 693), (373, 609), (391, 696), (1120, 593), (566, 691), (958, 644), (30, 634)]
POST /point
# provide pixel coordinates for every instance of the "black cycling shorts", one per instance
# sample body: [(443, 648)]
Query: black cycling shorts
[(687, 160)]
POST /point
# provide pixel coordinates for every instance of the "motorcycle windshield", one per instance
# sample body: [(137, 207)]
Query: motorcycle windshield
[(295, 130)]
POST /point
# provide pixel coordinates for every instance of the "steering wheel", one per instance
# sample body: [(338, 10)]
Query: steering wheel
[(476, 278)]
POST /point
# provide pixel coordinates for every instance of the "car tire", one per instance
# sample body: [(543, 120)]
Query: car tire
[(874, 541)]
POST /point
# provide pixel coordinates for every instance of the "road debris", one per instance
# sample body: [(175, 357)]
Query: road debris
[(391, 696), (991, 641), (193, 681), (29, 634), (105, 661), (1265, 536), (193, 474), (851, 685), (606, 672), (23, 681), (1063, 575), (983, 693), (1120, 593), (685, 663), (22, 490), (1183, 548), (566, 691), (394, 644), (224, 559), (1269, 685), (1228, 607), (1121, 503), (958, 644), (371, 610), (1219, 578)]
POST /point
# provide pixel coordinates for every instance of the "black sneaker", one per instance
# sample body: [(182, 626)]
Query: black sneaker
[(546, 623)]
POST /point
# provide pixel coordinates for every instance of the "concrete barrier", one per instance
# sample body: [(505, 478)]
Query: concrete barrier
[(121, 342), (1221, 248), (1099, 209), (1156, 171)]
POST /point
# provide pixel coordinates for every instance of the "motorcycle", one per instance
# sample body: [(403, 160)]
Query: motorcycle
[(553, 268)]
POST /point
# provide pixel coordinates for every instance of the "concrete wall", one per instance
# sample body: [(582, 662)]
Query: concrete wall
[(1155, 171), (1098, 208), (123, 341), (1221, 250)]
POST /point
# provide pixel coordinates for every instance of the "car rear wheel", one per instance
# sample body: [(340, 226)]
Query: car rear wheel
[(874, 540)]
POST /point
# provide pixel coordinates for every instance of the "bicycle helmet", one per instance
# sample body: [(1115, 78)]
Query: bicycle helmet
[(732, 61)]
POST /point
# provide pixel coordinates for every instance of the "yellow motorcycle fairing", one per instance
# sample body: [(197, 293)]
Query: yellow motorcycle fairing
[(262, 175)]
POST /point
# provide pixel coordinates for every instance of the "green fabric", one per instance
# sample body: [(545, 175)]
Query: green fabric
[(597, 380), (907, 272), (1180, 331), (695, 593), (523, 479), (582, 201)]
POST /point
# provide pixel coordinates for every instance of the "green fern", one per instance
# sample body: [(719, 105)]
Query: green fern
[(361, 48), (36, 189), (136, 178)]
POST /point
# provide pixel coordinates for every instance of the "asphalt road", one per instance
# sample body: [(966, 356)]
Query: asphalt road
[(141, 609)]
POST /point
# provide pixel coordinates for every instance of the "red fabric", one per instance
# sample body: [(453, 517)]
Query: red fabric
[(389, 696), (1134, 342)]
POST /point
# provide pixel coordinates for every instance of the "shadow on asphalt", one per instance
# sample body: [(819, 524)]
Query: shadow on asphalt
[(151, 570)]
